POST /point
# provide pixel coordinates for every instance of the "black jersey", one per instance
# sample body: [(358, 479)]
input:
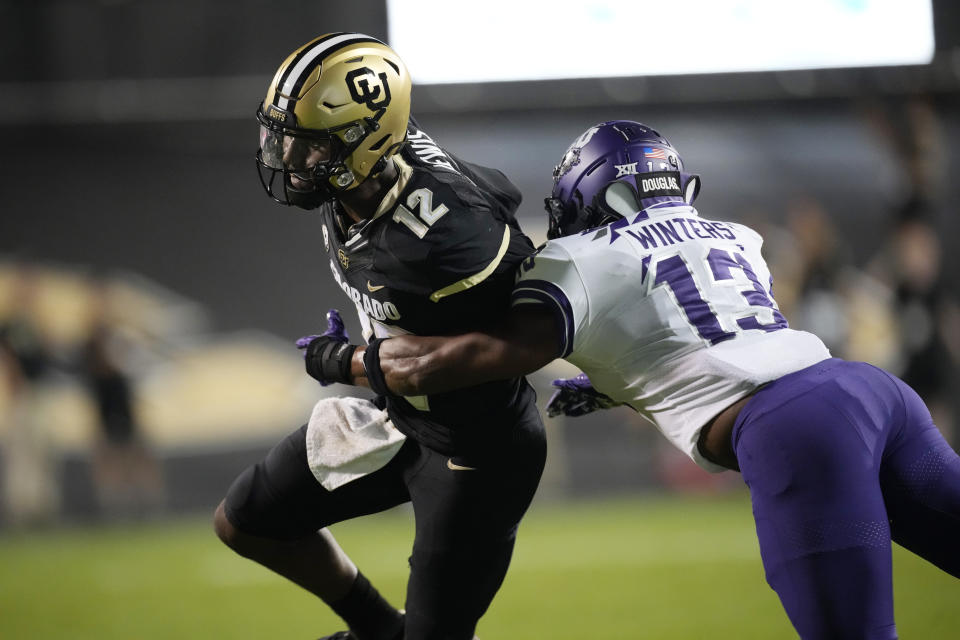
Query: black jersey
[(439, 257)]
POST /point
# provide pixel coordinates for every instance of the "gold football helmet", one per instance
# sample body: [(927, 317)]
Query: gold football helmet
[(335, 112)]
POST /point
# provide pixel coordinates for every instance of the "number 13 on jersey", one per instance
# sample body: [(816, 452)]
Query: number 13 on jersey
[(719, 296)]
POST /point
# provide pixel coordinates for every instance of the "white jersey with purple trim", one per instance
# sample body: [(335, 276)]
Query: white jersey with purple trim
[(668, 313)]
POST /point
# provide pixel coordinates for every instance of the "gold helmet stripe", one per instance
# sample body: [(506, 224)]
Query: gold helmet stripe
[(300, 67)]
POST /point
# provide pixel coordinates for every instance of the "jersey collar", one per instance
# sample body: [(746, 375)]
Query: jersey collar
[(390, 199), (672, 208)]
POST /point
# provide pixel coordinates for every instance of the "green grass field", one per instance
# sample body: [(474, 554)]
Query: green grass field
[(662, 568)]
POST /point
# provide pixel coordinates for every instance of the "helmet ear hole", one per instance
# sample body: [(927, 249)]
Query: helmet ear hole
[(379, 143)]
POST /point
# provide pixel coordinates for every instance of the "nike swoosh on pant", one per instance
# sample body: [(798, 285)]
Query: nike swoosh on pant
[(456, 467)]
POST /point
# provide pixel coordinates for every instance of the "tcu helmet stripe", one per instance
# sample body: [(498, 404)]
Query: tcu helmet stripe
[(300, 67)]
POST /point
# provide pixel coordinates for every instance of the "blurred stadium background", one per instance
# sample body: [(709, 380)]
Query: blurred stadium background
[(138, 253)]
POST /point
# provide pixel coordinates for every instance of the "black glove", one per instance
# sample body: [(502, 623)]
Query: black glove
[(327, 357), (327, 360)]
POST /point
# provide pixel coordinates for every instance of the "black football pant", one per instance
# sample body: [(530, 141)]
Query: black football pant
[(467, 510)]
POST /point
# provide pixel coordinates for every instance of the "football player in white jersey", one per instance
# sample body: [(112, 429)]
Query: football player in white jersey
[(673, 315)]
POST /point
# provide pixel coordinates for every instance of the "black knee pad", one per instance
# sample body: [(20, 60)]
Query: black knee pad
[(278, 497), (240, 504), (254, 508)]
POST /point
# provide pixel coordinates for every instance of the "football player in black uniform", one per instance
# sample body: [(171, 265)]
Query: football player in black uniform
[(421, 242)]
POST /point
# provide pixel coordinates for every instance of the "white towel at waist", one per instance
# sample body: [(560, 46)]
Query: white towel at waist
[(348, 438)]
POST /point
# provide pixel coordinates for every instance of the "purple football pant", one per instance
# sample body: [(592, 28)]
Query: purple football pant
[(841, 457)]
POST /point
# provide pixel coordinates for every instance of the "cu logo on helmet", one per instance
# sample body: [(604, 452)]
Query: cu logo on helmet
[(366, 87)]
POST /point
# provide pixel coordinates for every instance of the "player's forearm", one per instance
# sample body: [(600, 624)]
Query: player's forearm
[(415, 365)]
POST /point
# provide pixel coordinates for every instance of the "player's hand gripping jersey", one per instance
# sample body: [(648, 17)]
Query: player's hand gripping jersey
[(439, 257), (676, 313)]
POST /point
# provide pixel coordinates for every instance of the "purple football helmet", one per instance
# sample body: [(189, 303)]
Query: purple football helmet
[(615, 169)]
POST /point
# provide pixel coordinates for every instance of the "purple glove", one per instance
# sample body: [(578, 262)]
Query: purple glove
[(577, 397), (327, 355), (335, 330)]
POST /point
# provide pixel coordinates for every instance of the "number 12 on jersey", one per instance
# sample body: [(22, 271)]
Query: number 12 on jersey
[(675, 273), (427, 214)]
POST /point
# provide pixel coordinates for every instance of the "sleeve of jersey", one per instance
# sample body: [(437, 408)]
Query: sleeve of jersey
[(494, 183), (470, 248), (551, 279)]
